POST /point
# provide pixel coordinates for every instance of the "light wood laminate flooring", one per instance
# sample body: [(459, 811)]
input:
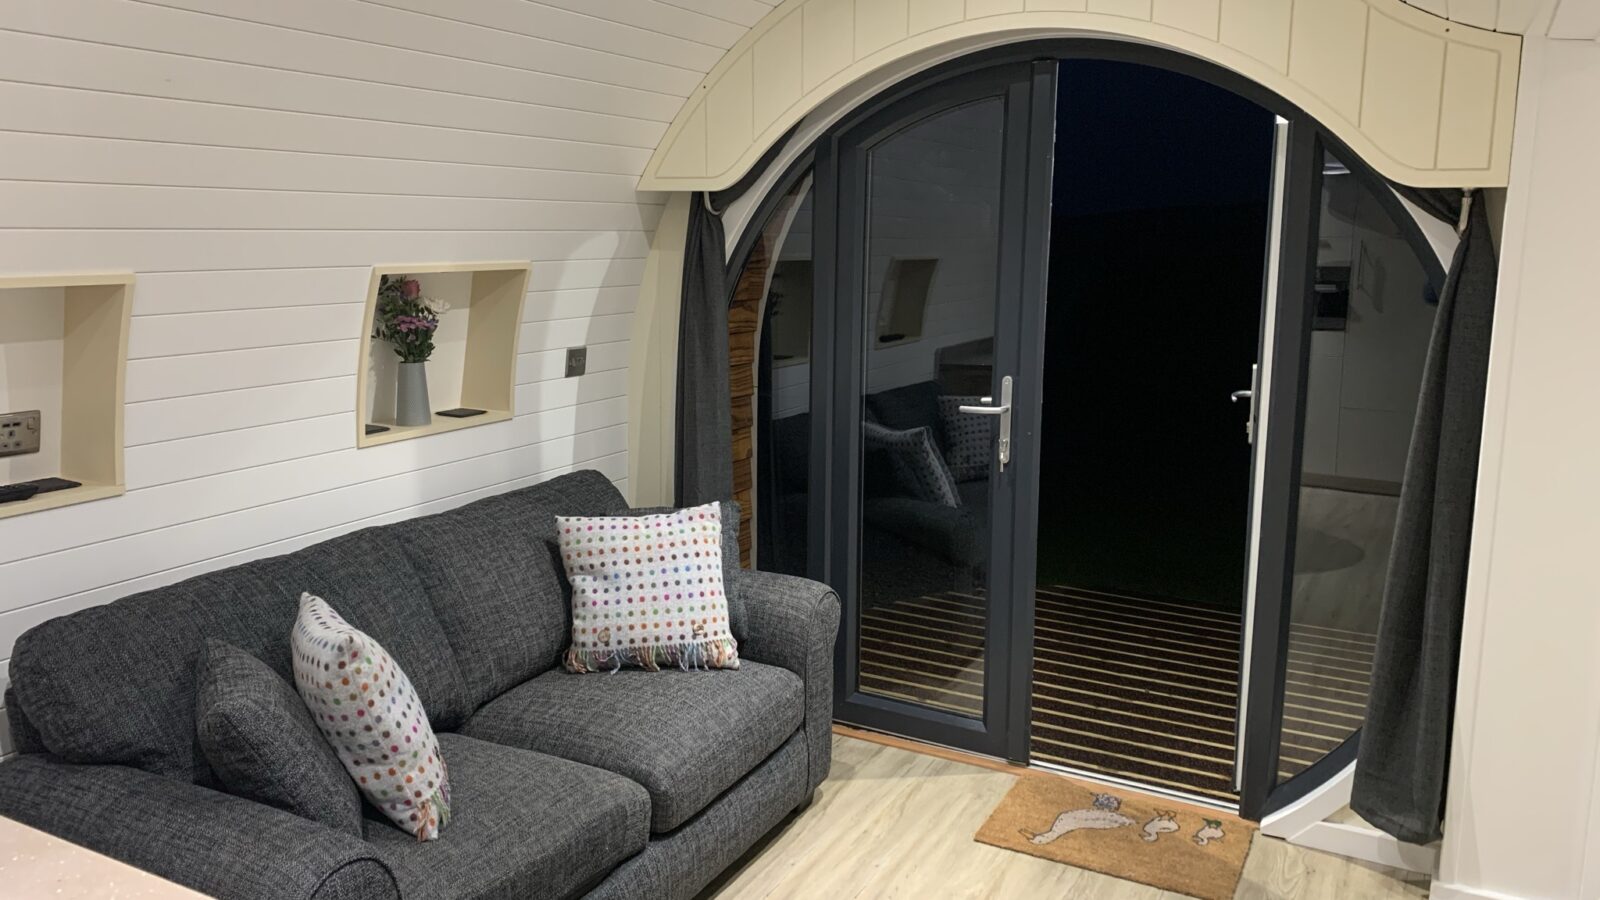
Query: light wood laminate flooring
[(890, 822)]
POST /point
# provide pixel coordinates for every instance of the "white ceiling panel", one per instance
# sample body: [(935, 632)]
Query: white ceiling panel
[(1576, 19)]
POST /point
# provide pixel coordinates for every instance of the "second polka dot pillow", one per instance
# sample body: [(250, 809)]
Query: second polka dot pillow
[(367, 709), (647, 591)]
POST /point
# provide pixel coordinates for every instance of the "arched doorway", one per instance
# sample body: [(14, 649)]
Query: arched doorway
[(904, 287)]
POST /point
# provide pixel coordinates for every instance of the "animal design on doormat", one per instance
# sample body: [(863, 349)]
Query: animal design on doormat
[(1165, 822), (1211, 831), (1098, 817)]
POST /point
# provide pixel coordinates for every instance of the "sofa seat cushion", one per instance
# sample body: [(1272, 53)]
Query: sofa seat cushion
[(522, 824), (685, 736)]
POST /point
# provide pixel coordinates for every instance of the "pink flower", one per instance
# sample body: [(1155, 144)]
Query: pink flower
[(410, 289)]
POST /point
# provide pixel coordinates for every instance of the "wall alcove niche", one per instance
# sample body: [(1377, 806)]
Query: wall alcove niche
[(64, 352), (474, 362)]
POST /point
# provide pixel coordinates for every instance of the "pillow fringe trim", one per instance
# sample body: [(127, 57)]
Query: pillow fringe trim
[(436, 808), (717, 653)]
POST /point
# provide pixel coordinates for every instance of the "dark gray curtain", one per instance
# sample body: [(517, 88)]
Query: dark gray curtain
[(703, 466), (1405, 743)]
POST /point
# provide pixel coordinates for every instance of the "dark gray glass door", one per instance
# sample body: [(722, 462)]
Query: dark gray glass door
[(1356, 289), (930, 381)]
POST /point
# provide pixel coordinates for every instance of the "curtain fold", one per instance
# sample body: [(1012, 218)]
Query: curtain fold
[(703, 462), (1404, 753)]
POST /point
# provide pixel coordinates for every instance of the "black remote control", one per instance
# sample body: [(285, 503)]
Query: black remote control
[(46, 485), (12, 492)]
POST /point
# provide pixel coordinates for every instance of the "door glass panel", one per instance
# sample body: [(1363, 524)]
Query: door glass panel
[(932, 249), (1373, 315), (779, 269)]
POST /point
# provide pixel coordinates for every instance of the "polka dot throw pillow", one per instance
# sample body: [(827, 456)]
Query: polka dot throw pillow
[(647, 591), (370, 713), (917, 463), (971, 437)]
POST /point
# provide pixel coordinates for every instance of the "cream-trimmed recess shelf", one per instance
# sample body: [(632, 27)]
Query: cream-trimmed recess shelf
[(474, 363), (64, 351)]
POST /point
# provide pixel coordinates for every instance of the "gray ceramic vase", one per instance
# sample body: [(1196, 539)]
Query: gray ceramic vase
[(411, 395)]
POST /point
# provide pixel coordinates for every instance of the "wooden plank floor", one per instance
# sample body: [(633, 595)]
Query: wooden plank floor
[(890, 822)]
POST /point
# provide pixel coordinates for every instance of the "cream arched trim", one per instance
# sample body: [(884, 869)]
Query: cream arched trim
[(1425, 101)]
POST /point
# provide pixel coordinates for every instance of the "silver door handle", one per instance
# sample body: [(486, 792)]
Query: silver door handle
[(1003, 410), (1249, 393), (986, 410)]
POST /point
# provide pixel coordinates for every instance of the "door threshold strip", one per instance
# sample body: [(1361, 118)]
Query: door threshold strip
[(1134, 784)]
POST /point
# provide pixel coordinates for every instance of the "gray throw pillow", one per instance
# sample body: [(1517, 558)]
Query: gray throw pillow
[(261, 742), (918, 465)]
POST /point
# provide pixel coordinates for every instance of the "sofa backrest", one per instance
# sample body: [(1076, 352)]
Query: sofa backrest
[(468, 602), (911, 406), (493, 573), (116, 684)]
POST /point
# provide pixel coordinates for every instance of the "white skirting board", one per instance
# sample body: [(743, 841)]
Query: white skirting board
[(1304, 824), (1437, 891)]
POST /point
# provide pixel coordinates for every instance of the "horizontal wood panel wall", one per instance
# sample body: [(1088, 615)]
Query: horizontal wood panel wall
[(1424, 100), (249, 161)]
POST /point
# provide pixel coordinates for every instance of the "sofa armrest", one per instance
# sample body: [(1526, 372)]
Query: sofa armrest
[(793, 622), (216, 843)]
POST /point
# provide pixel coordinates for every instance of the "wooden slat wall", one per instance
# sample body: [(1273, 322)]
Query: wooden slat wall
[(744, 321)]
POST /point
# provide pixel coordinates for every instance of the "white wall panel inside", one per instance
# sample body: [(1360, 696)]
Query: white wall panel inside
[(248, 162)]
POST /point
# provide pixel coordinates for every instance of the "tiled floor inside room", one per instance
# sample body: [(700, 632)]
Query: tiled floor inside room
[(891, 822)]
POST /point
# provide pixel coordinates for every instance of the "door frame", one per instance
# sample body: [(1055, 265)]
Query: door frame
[(1260, 793)]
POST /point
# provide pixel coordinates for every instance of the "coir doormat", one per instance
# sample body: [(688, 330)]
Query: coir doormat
[(1178, 848)]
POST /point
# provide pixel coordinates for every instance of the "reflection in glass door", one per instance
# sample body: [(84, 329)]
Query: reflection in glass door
[(1356, 296), (932, 245), (1373, 300), (932, 248)]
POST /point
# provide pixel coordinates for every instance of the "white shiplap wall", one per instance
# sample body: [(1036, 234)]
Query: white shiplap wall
[(249, 161)]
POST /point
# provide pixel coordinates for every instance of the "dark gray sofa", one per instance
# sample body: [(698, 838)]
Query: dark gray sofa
[(631, 784)]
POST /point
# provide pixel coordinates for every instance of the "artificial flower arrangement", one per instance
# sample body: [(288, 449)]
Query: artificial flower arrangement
[(405, 318)]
